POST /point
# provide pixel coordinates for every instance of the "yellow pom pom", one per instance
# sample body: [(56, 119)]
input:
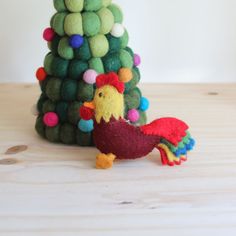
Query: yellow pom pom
[(125, 75)]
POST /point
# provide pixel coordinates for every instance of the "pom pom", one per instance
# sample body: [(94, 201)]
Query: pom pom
[(86, 125), (90, 76), (34, 110), (125, 75), (48, 34), (51, 119), (41, 74), (86, 113), (144, 104), (118, 30), (133, 115), (137, 60), (76, 41)]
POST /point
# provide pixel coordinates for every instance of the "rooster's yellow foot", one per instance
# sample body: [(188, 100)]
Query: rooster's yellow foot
[(105, 161)]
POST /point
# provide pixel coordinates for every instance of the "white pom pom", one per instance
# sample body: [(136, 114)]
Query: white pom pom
[(118, 30), (34, 110)]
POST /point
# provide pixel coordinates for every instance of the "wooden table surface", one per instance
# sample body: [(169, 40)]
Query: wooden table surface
[(50, 189)]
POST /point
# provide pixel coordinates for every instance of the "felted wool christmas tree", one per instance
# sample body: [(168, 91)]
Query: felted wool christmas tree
[(85, 38)]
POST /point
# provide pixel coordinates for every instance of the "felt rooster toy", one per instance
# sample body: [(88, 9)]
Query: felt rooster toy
[(118, 139)]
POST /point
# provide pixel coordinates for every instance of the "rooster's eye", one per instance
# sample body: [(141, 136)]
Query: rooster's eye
[(100, 95)]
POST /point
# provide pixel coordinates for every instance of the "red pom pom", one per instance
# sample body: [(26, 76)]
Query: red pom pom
[(86, 113), (48, 34), (41, 74)]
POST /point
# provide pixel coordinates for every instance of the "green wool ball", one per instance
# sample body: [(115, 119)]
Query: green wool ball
[(107, 20), (124, 39), (53, 134), (91, 23), (77, 69), (133, 83), (61, 110), (128, 49), (143, 118), (43, 84), (40, 102), (84, 139), (69, 90), (54, 45), (126, 59), (132, 100), (53, 89), (49, 106), (65, 50), (74, 5), (59, 5), (73, 24), (40, 127), (73, 112), (59, 67), (97, 65), (114, 43), (106, 3), (92, 5), (117, 13), (83, 53), (99, 45), (58, 23), (111, 62), (68, 134), (48, 63), (85, 92)]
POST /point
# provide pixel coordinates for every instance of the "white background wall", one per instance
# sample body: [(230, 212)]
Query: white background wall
[(179, 40)]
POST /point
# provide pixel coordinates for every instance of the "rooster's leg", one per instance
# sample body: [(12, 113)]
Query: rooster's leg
[(105, 161)]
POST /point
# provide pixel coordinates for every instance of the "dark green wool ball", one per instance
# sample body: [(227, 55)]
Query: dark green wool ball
[(83, 53), (84, 139), (48, 63), (69, 90), (114, 43), (49, 106), (133, 83), (132, 100), (97, 65), (73, 112), (40, 102), (53, 89), (112, 62), (77, 69), (91, 23), (40, 127), (53, 134), (59, 5), (68, 134), (130, 51), (62, 110), (92, 5), (54, 45), (59, 67), (85, 92), (43, 84)]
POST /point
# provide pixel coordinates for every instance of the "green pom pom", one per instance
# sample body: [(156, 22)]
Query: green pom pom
[(68, 134), (133, 83), (91, 23), (48, 63), (53, 89), (132, 100), (117, 13), (54, 45), (84, 139), (85, 92), (128, 49), (97, 65), (61, 110), (126, 59), (40, 127), (92, 5), (74, 5), (49, 106), (73, 112), (43, 84), (124, 39), (99, 45), (58, 23), (73, 24), (40, 102), (83, 53), (77, 69), (69, 90), (59, 67), (143, 118), (53, 134), (106, 3), (65, 50), (111, 62), (114, 43), (107, 20), (59, 5)]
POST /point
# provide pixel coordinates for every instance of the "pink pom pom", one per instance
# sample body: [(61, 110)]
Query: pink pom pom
[(133, 115), (48, 34), (90, 76), (137, 60), (51, 119)]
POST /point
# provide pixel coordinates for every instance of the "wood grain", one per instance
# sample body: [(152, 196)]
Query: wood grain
[(53, 189)]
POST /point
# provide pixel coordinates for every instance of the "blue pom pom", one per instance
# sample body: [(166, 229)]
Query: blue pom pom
[(144, 104), (86, 125), (76, 41)]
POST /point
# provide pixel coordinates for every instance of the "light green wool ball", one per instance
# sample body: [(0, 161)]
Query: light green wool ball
[(92, 5), (117, 13), (97, 65), (73, 24), (99, 45), (126, 59), (74, 5), (107, 20), (58, 23), (91, 23), (106, 3), (59, 5), (65, 50), (124, 39)]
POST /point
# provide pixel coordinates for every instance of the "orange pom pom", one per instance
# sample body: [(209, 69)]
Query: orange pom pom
[(41, 74), (125, 75)]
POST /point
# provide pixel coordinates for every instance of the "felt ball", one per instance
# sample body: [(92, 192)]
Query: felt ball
[(99, 45), (58, 23), (90, 76), (65, 50), (48, 34), (84, 139), (132, 99), (137, 60), (92, 5), (41, 101), (86, 113), (114, 43), (68, 134), (85, 92), (86, 125), (125, 75), (91, 23), (126, 59), (41, 74), (73, 112), (34, 110), (53, 134), (48, 63), (117, 13), (54, 45), (73, 24), (106, 19), (83, 53), (77, 69), (130, 51), (51, 119), (111, 62), (74, 5), (76, 41), (118, 30), (143, 118), (133, 115), (69, 90), (97, 65), (106, 3), (144, 104), (133, 83), (59, 5), (61, 110), (48, 106), (59, 67), (53, 89), (124, 39)]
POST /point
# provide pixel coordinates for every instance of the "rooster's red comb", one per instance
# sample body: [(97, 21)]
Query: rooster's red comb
[(110, 79)]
